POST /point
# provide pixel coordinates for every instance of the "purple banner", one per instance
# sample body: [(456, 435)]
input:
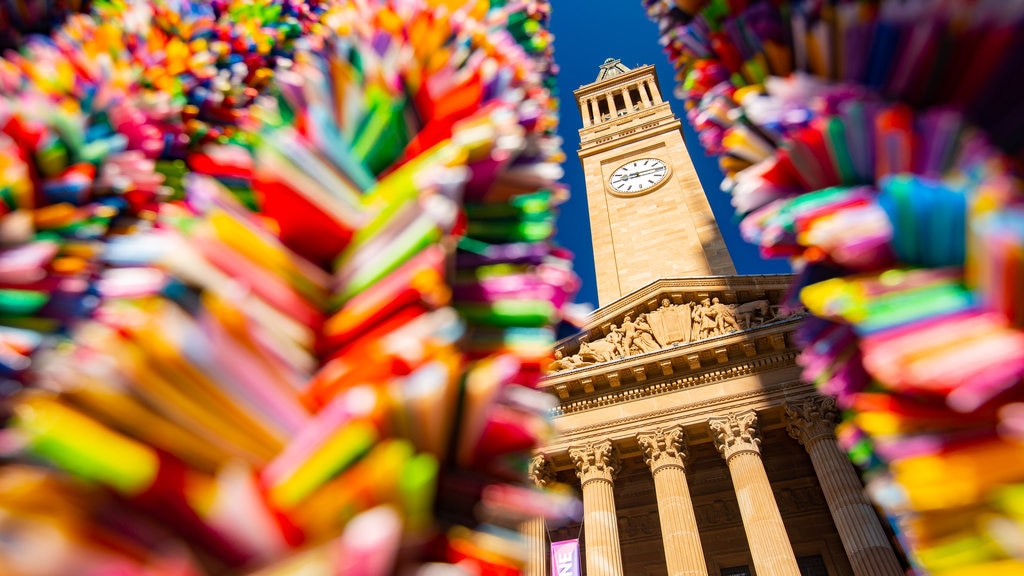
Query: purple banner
[(565, 558)]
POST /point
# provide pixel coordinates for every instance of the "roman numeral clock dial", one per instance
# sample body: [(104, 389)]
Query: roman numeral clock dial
[(638, 175)]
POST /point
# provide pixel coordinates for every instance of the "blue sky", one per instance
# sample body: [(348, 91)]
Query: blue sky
[(587, 32)]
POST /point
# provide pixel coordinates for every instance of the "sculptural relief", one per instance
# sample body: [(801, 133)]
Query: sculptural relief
[(753, 313), (718, 512), (644, 341), (599, 351), (633, 526), (563, 362), (669, 325)]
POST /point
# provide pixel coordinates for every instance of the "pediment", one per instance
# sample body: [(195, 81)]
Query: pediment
[(675, 311), (760, 339)]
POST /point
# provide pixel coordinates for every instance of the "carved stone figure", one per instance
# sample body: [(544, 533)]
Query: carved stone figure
[(565, 363), (745, 312), (644, 340), (599, 351), (706, 320), (628, 331), (696, 320), (615, 338), (724, 316)]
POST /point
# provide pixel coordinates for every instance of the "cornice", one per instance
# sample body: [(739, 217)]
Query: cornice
[(627, 135), (624, 79), (720, 286), (770, 396), (783, 360)]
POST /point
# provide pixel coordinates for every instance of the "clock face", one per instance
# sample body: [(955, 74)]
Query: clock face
[(638, 175)]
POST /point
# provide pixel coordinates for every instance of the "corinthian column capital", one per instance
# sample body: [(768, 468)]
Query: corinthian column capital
[(541, 470), (595, 461), (812, 419), (663, 447), (736, 433)]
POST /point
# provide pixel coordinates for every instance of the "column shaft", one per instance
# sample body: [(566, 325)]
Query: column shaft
[(769, 544), (664, 452), (612, 112), (643, 96), (811, 423), (626, 99), (739, 441), (536, 541), (654, 92), (684, 555), (865, 542), (596, 466), (602, 529)]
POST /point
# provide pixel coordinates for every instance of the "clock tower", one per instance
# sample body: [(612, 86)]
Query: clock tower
[(649, 216)]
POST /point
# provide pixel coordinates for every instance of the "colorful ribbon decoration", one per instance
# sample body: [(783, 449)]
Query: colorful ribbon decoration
[(276, 285), (877, 145)]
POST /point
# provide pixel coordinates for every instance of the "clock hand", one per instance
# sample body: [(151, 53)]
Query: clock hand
[(645, 172)]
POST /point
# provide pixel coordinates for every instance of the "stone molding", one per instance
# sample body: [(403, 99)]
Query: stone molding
[(664, 447), (541, 470), (774, 362), (618, 81), (627, 137), (756, 285), (811, 420), (690, 409), (736, 433), (596, 461)]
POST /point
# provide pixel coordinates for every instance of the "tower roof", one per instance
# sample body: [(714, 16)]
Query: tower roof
[(611, 67)]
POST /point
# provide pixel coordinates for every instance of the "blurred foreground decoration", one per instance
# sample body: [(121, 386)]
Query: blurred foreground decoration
[(877, 144), (276, 286)]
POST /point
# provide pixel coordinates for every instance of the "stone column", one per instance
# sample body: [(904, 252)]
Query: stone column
[(542, 472), (585, 113), (612, 112), (596, 465), (665, 452), (643, 95), (654, 92), (812, 423), (626, 99), (737, 438)]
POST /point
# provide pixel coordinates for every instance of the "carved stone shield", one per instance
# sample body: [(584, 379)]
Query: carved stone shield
[(670, 324)]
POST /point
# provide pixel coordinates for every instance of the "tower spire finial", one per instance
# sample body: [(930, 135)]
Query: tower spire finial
[(611, 67)]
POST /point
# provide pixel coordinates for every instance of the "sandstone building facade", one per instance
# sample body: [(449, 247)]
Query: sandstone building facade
[(682, 418)]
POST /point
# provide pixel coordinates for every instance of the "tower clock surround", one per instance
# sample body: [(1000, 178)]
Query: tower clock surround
[(638, 176)]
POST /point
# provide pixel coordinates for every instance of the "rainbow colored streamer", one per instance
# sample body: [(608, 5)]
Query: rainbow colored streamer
[(877, 145), (276, 285)]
